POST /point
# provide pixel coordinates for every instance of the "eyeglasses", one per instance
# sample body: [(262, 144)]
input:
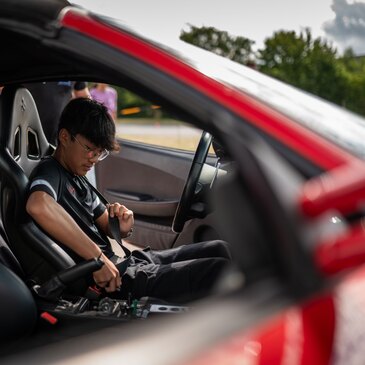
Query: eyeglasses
[(91, 153)]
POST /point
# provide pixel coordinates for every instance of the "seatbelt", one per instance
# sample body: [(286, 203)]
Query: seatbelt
[(114, 230)]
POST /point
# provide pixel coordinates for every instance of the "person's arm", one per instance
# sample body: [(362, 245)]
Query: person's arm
[(125, 217), (54, 220)]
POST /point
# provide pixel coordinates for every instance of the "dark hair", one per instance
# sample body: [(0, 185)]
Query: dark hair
[(90, 119)]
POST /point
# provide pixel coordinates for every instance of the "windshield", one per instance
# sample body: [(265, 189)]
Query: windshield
[(342, 127)]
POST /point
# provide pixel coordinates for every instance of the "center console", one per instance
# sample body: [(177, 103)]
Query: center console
[(108, 308)]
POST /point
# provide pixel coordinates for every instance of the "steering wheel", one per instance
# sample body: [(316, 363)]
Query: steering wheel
[(187, 196)]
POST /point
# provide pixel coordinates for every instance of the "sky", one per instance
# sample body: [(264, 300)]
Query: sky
[(342, 22)]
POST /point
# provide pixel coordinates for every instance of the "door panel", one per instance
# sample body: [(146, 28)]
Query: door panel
[(144, 204), (148, 180)]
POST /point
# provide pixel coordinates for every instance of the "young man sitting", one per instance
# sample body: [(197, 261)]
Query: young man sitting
[(64, 205)]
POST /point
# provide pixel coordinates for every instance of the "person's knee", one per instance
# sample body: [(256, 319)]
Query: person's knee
[(210, 268), (222, 249), (221, 263)]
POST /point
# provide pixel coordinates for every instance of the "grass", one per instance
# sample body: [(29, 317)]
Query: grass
[(150, 121), (179, 140), (186, 143)]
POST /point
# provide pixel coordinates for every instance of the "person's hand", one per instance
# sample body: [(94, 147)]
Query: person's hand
[(125, 217), (108, 276)]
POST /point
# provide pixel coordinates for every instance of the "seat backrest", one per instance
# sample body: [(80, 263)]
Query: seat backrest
[(7, 257), (22, 145)]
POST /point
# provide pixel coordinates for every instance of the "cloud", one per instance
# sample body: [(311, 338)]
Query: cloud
[(348, 27)]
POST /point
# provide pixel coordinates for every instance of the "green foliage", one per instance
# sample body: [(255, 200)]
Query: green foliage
[(353, 69), (298, 59), (238, 49), (310, 64)]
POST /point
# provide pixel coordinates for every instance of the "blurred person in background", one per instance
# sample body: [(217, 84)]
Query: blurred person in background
[(106, 95)]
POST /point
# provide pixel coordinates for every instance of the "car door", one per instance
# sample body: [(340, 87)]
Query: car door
[(148, 178)]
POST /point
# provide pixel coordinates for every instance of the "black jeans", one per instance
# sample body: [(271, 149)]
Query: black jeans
[(179, 274)]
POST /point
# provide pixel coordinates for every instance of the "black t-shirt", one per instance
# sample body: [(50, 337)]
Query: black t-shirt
[(74, 194)]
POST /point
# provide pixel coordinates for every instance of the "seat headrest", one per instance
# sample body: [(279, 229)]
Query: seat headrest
[(22, 134)]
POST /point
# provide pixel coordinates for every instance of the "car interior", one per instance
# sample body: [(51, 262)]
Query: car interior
[(23, 146), (30, 254)]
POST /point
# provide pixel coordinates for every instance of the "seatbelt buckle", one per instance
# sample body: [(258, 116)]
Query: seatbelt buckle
[(93, 292)]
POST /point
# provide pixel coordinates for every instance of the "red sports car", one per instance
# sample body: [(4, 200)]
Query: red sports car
[(277, 173)]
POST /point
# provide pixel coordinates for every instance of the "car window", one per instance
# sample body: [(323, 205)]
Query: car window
[(140, 120), (157, 131)]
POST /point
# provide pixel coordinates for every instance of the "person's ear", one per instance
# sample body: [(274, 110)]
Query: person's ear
[(64, 136)]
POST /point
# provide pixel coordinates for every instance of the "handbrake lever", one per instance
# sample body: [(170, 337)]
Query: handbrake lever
[(54, 287)]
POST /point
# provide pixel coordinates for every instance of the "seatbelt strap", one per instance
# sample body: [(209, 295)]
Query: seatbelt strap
[(114, 229)]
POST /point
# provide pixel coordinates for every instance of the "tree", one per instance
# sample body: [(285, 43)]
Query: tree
[(298, 59), (238, 49), (353, 68), (310, 64)]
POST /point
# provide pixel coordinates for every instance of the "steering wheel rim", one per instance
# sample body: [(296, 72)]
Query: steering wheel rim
[(192, 180)]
